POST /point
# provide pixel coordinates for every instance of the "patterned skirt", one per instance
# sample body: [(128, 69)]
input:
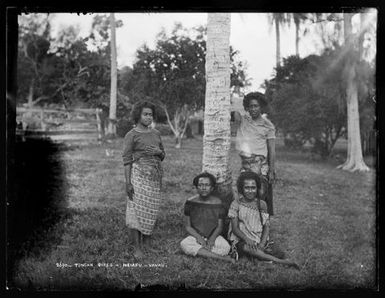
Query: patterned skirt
[(142, 211), (258, 164)]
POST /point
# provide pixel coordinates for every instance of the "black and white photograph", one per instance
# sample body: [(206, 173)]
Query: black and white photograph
[(155, 150)]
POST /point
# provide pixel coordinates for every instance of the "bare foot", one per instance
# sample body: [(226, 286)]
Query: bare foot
[(146, 240), (150, 249), (292, 264), (295, 266), (229, 259)]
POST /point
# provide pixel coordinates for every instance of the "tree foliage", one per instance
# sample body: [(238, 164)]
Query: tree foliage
[(74, 71), (308, 99), (34, 58), (67, 69), (173, 74)]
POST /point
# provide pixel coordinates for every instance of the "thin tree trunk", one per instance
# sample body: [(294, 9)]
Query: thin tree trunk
[(189, 133), (169, 121), (296, 21), (217, 133), (355, 161), (114, 76), (31, 93), (181, 129), (277, 44), (175, 128), (178, 141)]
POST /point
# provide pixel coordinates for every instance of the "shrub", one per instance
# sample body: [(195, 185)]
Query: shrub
[(164, 129), (123, 126), (306, 103)]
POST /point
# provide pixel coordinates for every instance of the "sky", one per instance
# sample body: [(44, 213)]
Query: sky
[(250, 34)]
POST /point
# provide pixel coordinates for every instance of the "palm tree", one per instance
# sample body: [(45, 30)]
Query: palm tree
[(278, 19), (354, 161), (114, 79), (217, 134), (298, 18)]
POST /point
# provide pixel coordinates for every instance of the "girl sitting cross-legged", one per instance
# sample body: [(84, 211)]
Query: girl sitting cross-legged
[(204, 222), (249, 232)]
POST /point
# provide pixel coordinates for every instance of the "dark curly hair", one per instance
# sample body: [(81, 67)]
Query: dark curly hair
[(205, 175), (255, 95), (248, 175), (138, 108)]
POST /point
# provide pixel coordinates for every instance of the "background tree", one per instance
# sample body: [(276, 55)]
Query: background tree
[(355, 161), (303, 100), (114, 79), (308, 99), (83, 74), (278, 19), (298, 18), (34, 58), (217, 134), (66, 69), (173, 75)]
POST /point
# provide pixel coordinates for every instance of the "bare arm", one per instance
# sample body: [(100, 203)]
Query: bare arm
[(239, 233), (127, 174), (265, 234), (271, 158), (162, 155), (155, 150), (237, 118), (193, 232), (127, 161), (216, 233)]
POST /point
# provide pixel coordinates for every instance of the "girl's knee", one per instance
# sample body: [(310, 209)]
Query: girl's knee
[(222, 247), (185, 243), (190, 246)]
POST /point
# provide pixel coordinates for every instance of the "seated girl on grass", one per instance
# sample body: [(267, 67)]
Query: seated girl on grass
[(204, 222), (249, 232)]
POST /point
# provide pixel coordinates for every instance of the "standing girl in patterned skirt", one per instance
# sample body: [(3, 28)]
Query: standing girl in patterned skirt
[(255, 143), (142, 156)]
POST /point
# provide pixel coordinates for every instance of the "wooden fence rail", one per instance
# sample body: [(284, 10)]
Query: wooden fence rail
[(59, 124)]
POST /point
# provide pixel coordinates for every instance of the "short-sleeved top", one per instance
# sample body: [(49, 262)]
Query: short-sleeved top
[(204, 217), (248, 218), (135, 143), (253, 134)]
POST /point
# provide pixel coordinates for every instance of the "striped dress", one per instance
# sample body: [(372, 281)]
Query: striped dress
[(248, 219)]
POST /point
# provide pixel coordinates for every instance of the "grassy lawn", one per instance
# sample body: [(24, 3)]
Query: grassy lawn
[(325, 220)]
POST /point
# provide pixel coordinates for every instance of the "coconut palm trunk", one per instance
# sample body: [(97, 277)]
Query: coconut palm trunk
[(277, 43), (296, 22), (278, 19), (217, 133), (355, 161), (114, 78)]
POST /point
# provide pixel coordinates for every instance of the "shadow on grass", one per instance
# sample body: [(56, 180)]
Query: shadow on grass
[(337, 157), (36, 199), (98, 234)]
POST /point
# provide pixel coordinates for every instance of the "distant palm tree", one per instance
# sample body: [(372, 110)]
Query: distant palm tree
[(114, 79), (298, 18), (278, 19)]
